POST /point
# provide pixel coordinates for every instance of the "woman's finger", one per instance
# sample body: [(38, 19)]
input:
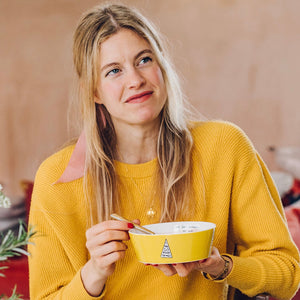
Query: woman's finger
[(106, 226), (168, 270), (108, 248), (106, 237), (182, 269), (107, 260), (185, 268)]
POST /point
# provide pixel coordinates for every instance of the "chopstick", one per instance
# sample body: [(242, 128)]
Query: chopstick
[(137, 227)]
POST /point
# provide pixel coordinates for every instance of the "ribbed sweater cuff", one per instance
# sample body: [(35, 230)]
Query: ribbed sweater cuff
[(245, 268), (76, 290)]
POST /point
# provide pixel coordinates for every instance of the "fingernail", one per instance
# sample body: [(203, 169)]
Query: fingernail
[(147, 264), (154, 265), (202, 261), (130, 225), (174, 264)]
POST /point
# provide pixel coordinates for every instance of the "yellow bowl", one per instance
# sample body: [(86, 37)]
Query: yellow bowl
[(173, 242)]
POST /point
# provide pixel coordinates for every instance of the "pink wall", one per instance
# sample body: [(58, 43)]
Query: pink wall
[(239, 61)]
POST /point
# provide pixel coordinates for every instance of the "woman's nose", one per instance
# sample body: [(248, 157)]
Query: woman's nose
[(135, 79)]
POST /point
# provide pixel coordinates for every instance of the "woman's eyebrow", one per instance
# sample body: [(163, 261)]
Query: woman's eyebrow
[(108, 66), (149, 51)]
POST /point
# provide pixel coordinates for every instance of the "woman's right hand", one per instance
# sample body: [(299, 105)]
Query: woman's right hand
[(105, 243)]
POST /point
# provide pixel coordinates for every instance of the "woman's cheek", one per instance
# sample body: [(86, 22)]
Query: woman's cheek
[(111, 92), (158, 76)]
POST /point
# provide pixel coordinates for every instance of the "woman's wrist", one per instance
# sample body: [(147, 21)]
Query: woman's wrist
[(225, 271), (93, 285)]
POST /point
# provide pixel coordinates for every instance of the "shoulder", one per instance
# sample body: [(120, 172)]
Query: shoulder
[(53, 167), (51, 197), (215, 128), (220, 135)]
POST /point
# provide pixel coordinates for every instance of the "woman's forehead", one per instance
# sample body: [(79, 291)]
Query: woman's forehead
[(123, 43)]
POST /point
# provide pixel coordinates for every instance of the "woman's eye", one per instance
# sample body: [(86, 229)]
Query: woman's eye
[(144, 60), (112, 72)]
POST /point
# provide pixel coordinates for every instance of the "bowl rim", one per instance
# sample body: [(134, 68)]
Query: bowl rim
[(133, 231)]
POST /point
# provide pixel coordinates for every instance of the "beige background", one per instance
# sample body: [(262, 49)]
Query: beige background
[(239, 61)]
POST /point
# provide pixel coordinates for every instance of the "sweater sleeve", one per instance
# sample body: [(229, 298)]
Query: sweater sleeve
[(57, 252), (266, 257)]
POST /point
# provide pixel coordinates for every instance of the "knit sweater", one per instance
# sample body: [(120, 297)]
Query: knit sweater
[(232, 188)]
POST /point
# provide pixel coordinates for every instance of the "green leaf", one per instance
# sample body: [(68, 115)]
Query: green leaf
[(3, 258), (22, 251), (12, 245), (14, 295), (7, 236)]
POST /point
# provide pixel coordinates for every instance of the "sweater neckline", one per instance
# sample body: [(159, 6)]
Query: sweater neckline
[(142, 170)]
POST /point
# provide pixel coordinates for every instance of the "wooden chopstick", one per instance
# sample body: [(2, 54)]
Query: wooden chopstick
[(137, 227)]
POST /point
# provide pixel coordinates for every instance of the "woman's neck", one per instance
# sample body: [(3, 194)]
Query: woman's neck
[(136, 144)]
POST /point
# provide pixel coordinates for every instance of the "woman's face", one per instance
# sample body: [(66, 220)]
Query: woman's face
[(130, 82)]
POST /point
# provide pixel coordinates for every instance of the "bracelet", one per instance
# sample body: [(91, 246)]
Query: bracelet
[(222, 275)]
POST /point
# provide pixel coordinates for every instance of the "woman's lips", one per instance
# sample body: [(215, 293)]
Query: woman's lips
[(139, 98)]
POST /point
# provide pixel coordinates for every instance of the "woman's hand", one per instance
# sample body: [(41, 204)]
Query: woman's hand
[(105, 243), (213, 265)]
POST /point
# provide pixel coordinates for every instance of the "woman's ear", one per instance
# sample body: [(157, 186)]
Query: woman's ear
[(97, 98)]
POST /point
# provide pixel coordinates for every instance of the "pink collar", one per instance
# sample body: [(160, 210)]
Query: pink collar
[(76, 166)]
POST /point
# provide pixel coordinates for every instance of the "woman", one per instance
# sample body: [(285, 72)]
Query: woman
[(138, 155)]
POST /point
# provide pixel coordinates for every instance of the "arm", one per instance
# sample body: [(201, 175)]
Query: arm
[(267, 260), (60, 267), (106, 247), (54, 273)]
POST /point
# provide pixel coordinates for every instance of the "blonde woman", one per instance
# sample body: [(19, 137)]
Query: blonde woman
[(140, 156)]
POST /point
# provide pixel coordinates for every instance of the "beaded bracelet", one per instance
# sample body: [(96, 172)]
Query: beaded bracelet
[(222, 275)]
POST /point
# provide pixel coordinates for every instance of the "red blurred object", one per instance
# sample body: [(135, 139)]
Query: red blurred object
[(17, 272), (292, 213), (15, 275), (293, 195), (27, 187), (296, 187)]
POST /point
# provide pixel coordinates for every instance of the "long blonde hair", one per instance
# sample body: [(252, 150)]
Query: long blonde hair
[(174, 142)]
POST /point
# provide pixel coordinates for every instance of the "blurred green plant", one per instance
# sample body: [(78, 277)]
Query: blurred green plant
[(12, 244), (4, 201)]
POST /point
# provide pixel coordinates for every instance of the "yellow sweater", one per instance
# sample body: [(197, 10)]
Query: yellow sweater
[(240, 198)]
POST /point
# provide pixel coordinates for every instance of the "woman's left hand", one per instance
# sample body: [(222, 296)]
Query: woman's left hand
[(213, 265)]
